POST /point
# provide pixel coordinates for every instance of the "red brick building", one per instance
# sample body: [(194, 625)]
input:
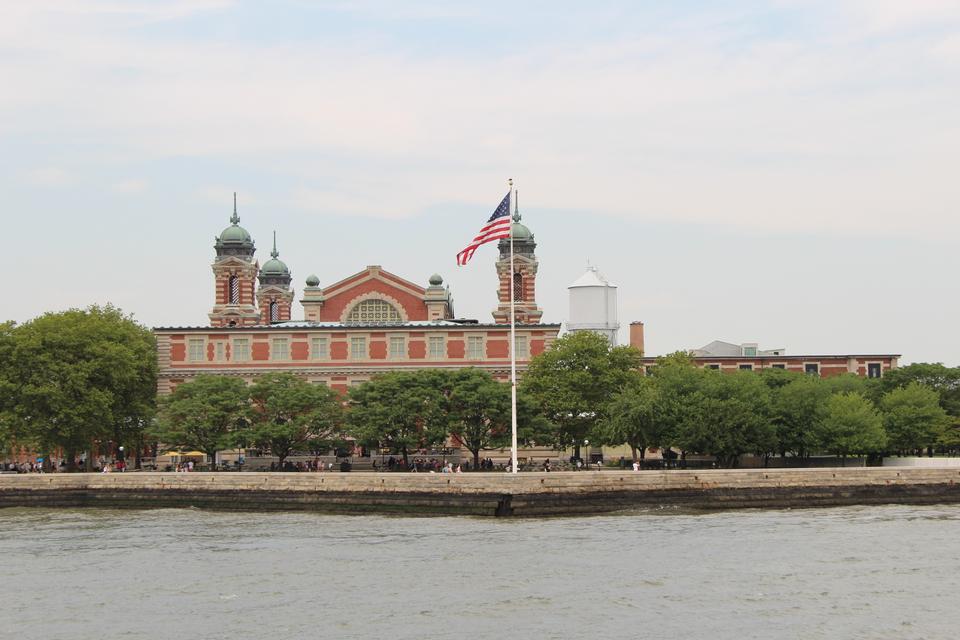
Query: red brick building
[(726, 356), (370, 322)]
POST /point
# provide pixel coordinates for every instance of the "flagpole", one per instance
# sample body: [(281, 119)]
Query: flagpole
[(513, 349)]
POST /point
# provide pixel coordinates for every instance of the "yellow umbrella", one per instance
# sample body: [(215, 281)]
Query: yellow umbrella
[(184, 454)]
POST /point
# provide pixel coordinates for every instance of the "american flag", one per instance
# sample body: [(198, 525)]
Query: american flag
[(497, 227)]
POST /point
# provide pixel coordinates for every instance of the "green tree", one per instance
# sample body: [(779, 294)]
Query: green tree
[(6, 385), (635, 417), (776, 379), (207, 414), (77, 377), (847, 383), (852, 425), (573, 381), (799, 408), (680, 384), (478, 411), (401, 410), (913, 417), (731, 417), (944, 380), (289, 414)]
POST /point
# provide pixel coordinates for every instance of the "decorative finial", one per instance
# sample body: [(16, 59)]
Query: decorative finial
[(274, 253), (235, 219), (516, 206)]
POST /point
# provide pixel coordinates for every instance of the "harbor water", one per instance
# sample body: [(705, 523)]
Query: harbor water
[(852, 572)]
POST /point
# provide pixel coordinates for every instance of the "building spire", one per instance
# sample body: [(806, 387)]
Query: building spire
[(274, 253), (235, 219), (516, 206)]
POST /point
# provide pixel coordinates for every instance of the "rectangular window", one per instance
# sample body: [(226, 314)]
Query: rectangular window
[(220, 351), (714, 367), (358, 348), (319, 383), (196, 353), (280, 349), (318, 348), (241, 350), (398, 347), (779, 365), (812, 368), (438, 347), (874, 370), (520, 347), (475, 347), (746, 367), (749, 351)]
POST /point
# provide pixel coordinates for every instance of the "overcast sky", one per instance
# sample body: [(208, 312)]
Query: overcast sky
[(781, 172)]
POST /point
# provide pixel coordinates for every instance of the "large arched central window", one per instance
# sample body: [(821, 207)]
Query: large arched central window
[(374, 312)]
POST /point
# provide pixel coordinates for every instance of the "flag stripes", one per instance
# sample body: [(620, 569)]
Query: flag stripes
[(496, 228)]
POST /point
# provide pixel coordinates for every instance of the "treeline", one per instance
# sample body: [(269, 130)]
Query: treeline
[(281, 414), (776, 412), (83, 379), (591, 393)]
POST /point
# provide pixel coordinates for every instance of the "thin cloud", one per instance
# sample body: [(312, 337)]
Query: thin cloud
[(693, 123)]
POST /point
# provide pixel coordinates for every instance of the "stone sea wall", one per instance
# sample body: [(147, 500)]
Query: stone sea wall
[(526, 494)]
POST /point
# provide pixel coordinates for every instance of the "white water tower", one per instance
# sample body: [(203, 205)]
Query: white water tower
[(593, 305)]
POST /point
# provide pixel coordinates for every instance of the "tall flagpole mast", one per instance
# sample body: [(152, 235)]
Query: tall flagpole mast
[(513, 348)]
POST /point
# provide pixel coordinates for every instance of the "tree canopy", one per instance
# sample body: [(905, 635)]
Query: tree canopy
[(208, 414), (289, 414), (573, 382), (852, 425), (799, 408), (636, 416), (400, 410), (913, 417), (730, 417), (74, 378)]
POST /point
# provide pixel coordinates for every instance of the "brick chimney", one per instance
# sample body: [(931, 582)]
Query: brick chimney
[(636, 335)]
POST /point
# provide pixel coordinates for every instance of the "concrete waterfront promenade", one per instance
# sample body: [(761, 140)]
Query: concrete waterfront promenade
[(526, 494)]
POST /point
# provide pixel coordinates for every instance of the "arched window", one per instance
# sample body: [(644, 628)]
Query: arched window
[(274, 312), (234, 290), (517, 286), (373, 312)]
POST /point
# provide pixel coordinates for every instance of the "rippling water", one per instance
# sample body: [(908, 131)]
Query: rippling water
[(860, 572)]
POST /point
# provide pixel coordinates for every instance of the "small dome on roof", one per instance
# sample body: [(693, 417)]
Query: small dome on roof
[(520, 231), (274, 267), (436, 280), (313, 281), (235, 237), (235, 234)]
